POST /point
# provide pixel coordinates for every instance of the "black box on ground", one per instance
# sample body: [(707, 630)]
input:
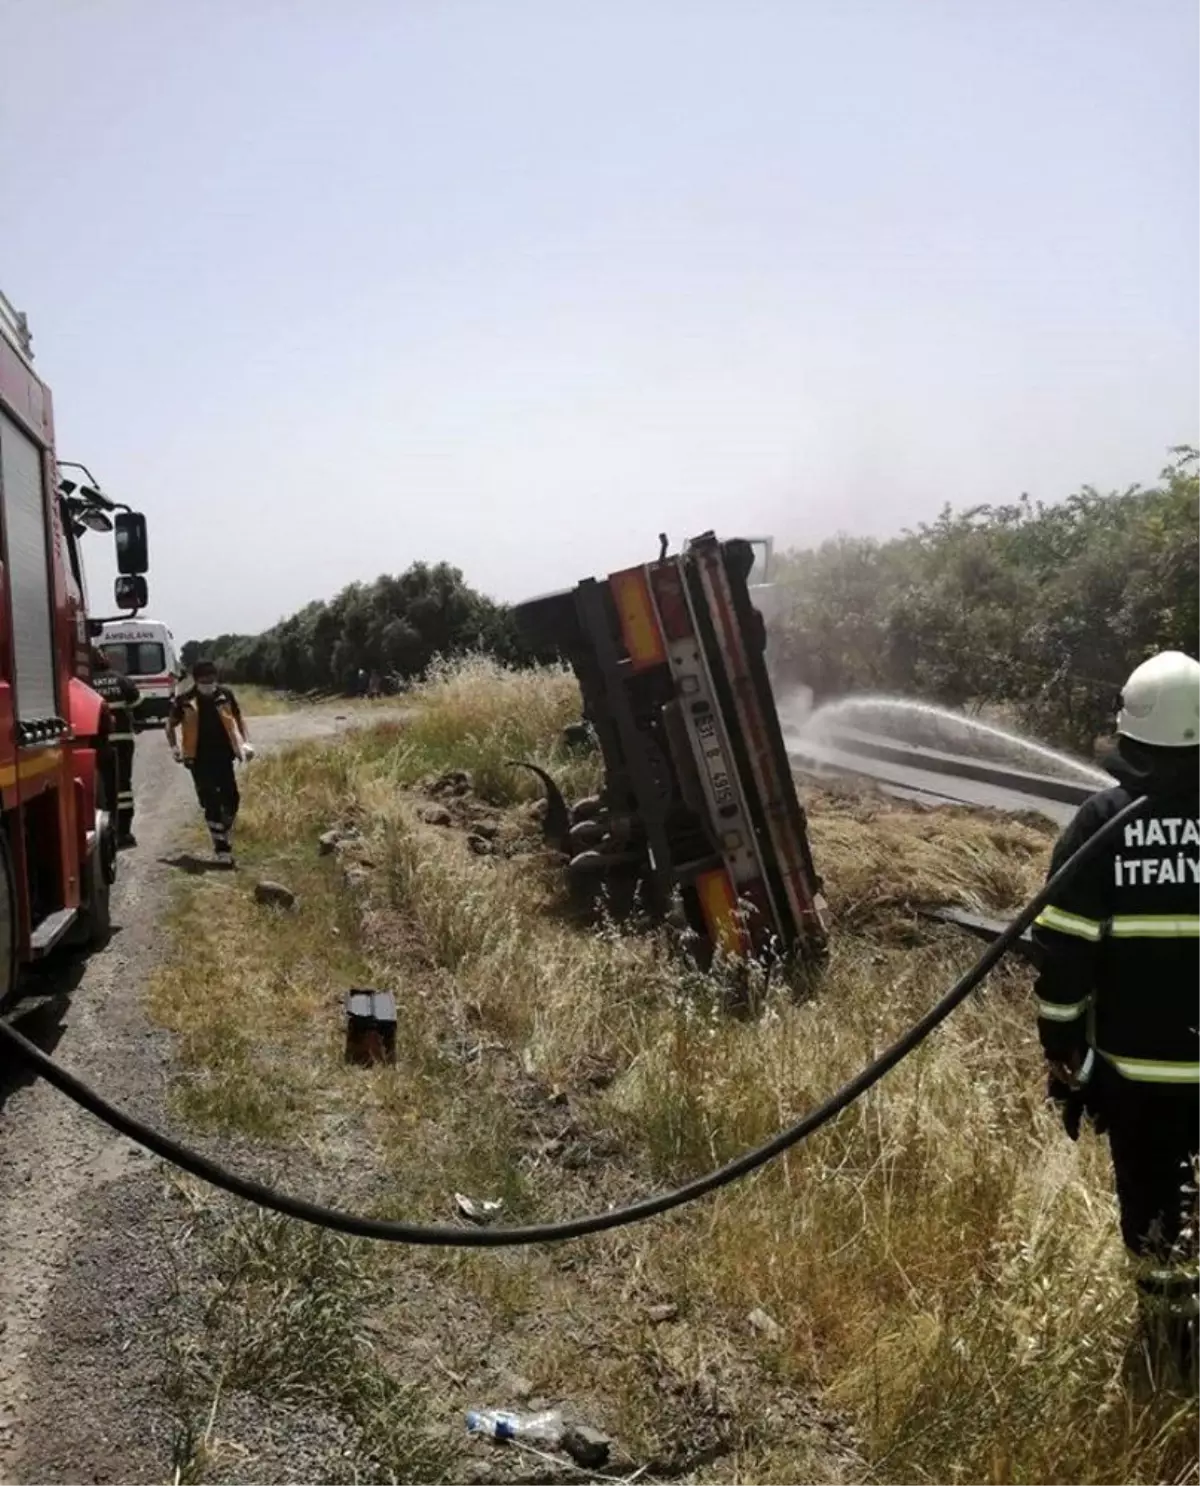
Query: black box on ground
[(370, 1027)]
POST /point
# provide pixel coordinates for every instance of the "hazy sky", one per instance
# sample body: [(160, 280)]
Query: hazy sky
[(326, 288)]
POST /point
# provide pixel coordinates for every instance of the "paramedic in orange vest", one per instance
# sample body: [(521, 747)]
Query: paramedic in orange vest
[(207, 734)]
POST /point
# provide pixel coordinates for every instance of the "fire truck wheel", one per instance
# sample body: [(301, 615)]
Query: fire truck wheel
[(96, 918), (8, 923)]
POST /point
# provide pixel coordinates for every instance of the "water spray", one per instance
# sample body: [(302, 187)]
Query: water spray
[(895, 717)]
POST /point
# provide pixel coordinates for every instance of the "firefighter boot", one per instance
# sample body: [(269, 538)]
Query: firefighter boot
[(1168, 1314), (222, 846)]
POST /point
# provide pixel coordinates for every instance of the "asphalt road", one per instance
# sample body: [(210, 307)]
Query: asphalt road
[(817, 760)]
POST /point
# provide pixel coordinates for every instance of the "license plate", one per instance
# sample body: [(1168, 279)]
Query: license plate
[(714, 760)]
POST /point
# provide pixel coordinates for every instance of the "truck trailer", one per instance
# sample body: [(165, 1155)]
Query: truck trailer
[(698, 813)]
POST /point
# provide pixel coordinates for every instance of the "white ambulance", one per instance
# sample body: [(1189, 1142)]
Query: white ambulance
[(144, 650)]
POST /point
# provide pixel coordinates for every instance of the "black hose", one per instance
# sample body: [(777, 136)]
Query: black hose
[(446, 1235)]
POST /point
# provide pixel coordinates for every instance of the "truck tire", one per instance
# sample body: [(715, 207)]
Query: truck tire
[(98, 914), (8, 923), (94, 925)]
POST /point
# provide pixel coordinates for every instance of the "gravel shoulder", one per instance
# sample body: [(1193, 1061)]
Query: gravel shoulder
[(86, 1269)]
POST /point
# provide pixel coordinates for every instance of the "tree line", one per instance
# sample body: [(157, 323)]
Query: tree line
[(391, 628), (1042, 608)]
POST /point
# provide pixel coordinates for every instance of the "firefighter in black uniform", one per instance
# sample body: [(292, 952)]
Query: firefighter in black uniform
[(213, 739), (1117, 989), (123, 700)]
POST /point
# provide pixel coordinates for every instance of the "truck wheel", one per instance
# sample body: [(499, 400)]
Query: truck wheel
[(94, 924), (8, 923), (99, 909)]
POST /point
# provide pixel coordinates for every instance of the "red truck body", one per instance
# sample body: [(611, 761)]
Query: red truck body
[(56, 851)]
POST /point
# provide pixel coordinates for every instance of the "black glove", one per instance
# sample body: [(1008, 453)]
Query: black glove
[(1075, 1102), (1070, 1103), (1093, 1104)]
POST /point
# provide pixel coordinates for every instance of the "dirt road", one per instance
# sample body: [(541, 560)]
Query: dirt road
[(84, 1270)]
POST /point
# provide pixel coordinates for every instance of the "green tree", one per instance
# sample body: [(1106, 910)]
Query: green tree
[(395, 626), (1043, 607)]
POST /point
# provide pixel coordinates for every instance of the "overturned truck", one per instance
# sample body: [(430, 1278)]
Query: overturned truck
[(698, 815)]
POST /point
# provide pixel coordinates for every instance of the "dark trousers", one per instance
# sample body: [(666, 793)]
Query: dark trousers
[(1153, 1134), (123, 748), (217, 791)]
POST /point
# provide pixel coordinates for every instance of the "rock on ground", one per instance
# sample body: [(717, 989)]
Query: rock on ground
[(274, 895)]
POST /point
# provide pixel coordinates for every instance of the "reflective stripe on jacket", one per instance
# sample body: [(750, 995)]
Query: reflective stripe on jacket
[(1120, 945)]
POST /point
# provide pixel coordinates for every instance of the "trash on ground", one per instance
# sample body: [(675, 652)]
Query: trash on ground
[(475, 1211), (586, 1446), (503, 1424)]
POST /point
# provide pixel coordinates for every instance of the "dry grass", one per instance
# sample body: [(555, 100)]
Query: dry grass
[(478, 716), (261, 701), (264, 701), (942, 1264), (889, 859)]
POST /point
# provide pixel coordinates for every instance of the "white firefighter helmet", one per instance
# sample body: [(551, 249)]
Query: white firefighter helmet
[(1160, 704)]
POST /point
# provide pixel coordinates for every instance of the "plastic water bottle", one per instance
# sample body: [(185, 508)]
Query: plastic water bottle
[(501, 1424)]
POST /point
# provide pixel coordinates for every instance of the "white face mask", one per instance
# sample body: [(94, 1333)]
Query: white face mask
[(206, 688)]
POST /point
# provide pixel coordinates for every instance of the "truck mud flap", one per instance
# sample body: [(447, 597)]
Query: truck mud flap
[(556, 826)]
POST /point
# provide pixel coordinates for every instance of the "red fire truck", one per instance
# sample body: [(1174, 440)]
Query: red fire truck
[(57, 840)]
